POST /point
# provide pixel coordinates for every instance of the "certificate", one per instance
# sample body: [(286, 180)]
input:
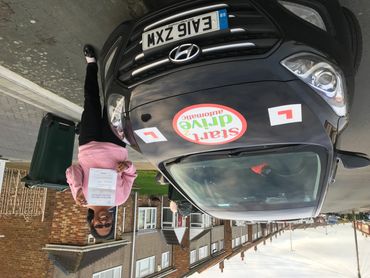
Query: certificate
[(102, 187)]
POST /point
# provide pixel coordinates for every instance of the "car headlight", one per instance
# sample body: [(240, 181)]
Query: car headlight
[(324, 77), (306, 13), (115, 109)]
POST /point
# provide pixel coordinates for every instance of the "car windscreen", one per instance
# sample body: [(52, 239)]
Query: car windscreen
[(284, 178)]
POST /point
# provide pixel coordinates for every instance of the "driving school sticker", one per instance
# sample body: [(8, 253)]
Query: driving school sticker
[(209, 124)]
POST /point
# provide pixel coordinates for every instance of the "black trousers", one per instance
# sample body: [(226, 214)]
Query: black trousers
[(94, 124)]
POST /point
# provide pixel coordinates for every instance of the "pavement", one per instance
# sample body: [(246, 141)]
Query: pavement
[(42, 44), (19, 123)]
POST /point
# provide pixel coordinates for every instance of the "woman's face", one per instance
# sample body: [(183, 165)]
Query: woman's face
[(102, 222)]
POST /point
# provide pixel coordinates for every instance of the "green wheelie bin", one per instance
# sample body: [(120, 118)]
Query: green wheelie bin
[(52, 155)]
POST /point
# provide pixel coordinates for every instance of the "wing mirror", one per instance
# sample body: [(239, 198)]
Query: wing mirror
[(161, 179), (353, 160)]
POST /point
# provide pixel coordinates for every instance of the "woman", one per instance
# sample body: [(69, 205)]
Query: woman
[(98, 148)]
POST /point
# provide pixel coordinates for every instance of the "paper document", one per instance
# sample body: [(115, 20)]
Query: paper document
[(102, 187)]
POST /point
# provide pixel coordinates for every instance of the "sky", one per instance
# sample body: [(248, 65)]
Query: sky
[(314, 254)]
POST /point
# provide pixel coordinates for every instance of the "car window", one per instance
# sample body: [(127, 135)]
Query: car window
[(257, 182)]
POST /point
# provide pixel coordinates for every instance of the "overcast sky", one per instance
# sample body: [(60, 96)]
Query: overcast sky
[(314, 255)]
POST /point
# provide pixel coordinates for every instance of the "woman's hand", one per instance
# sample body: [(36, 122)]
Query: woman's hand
[(123, 165), (80, 198)]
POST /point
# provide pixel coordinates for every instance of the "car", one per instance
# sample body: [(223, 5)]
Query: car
[(238, 104)]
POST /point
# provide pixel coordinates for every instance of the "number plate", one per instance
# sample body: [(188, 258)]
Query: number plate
[(186, 28)]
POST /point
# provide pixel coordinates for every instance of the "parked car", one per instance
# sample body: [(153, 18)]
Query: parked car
[(239, 104)]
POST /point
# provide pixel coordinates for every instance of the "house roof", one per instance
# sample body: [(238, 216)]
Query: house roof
[(71, 259), (198, 236), (249, 245), (163, 273), (174, 236), (209, 262)]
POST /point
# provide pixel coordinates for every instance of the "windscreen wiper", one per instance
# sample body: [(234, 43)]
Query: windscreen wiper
[(229, 153), (259, 149), (198, 156)]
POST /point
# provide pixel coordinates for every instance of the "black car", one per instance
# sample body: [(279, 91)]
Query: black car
[(239, 104)]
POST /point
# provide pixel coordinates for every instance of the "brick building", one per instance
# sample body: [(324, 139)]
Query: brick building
[(223, 241), (149, 241), (25, 228)]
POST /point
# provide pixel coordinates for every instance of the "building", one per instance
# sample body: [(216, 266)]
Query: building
[(46, 235)]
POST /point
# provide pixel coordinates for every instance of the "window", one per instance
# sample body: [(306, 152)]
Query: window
[(90, 239), (214, 221), (237, 241), (196, 220), (244, 239), (165, 259), (145, 267), (221, 244), (207, 220), (147, 218), (221, 184), (233, 243), (114, 272), (199, 220), (168, 218), (256, 232), (214, 247), (193, 256), (203, 252), (259, 233)]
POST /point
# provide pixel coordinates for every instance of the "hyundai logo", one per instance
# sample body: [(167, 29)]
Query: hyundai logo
[(184, 53)]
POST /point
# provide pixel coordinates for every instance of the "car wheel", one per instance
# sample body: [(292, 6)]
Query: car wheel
[(356, 37)]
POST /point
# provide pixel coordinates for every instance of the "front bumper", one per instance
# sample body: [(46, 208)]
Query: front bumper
[(264, 23)]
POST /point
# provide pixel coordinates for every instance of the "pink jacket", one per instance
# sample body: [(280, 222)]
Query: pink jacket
[(105, 156)]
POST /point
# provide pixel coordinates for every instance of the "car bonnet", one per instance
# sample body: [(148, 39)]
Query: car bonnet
[(238, 116)]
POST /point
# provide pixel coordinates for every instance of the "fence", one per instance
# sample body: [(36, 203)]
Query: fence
[(364, 228), (17, 200)]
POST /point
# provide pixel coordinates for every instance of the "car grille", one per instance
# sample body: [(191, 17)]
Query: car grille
[(250, 33)]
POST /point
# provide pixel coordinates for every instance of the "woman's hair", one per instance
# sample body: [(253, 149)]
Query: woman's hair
[(89, 219)]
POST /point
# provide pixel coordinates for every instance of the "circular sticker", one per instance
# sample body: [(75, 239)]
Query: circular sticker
[(209, 124)]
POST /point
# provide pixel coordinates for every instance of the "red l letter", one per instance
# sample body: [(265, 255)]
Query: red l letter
[(151, 133), (288, 113)]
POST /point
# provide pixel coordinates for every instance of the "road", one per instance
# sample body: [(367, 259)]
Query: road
[(43, 44)]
